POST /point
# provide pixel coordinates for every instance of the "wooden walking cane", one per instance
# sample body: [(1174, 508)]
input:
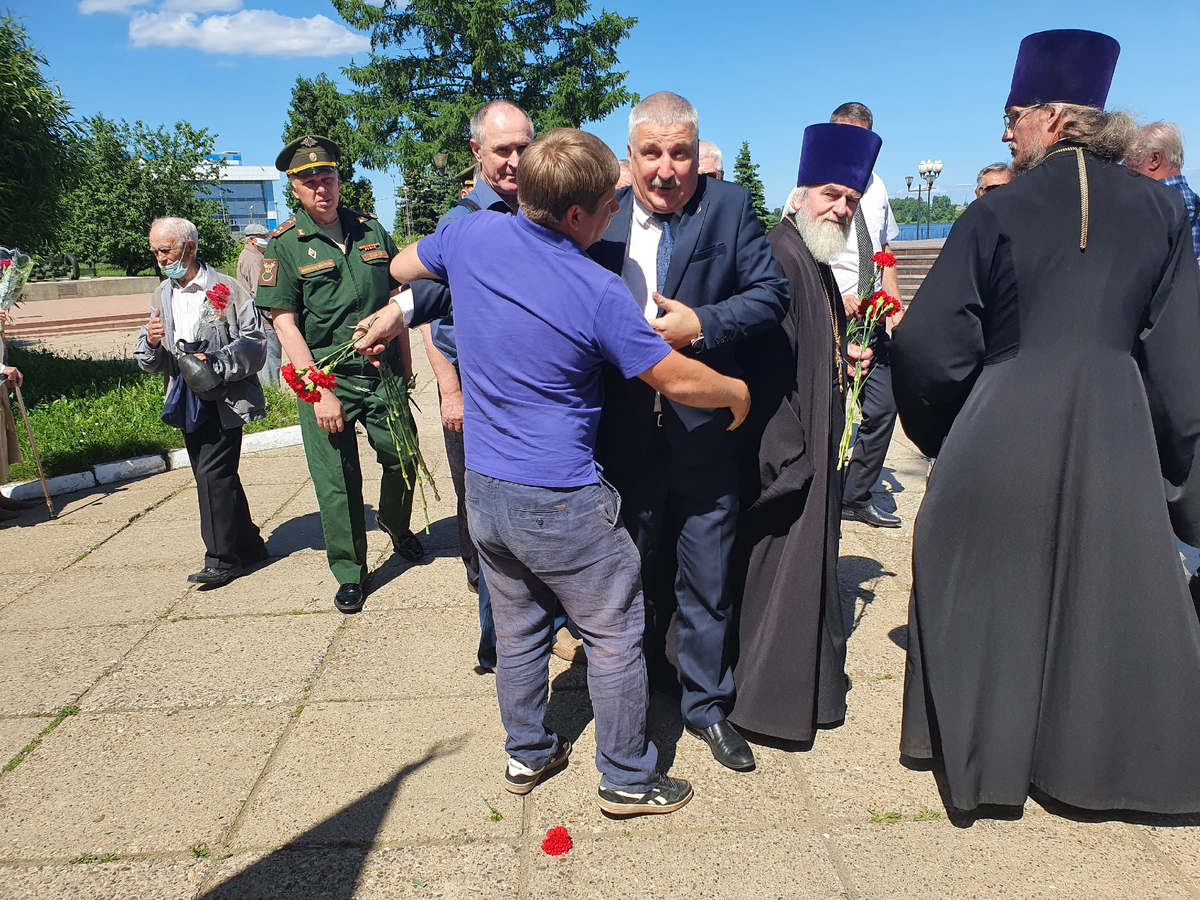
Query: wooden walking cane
[(33, 449)]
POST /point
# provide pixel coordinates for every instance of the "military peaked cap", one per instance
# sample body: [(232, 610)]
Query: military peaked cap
[(309, 155)]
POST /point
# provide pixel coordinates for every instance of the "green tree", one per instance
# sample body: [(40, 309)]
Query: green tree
[(434, 62), (129, 176), (318, 107), (424, 197), (910, 211), (37, 143), (745, 173)]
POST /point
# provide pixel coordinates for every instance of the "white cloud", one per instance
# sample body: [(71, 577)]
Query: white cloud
[(253, 32), (201, 6), (87, 7)]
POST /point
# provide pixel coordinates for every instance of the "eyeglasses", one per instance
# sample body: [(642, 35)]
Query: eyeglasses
[(1011, 119), (991, 187)]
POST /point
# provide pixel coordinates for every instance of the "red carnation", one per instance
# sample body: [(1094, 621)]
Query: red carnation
[(5, 263), (885, 260), (557, 841), (322, 379), (296, 383), (218, 296)]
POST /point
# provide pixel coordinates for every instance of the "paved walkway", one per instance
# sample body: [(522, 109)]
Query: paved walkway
[(251, 742)]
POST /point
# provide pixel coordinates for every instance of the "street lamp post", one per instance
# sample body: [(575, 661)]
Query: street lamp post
[(929, 169)]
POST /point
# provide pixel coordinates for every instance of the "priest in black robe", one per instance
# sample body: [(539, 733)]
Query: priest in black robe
[(791, 661), (1049, 363)]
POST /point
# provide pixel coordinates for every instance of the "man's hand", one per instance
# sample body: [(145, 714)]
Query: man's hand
[(741, 405), (452, 412), (12, 376), (679, 326), (155, 331), (330, 414), (379, 327), (852, 304), (858, 355)]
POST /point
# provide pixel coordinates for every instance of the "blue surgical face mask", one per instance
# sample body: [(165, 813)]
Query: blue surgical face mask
[(175, 270)]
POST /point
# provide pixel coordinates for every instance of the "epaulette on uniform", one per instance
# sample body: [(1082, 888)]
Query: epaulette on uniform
[(362, 216), (283, 228)]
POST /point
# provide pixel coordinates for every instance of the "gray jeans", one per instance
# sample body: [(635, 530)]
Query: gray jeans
[(537, 544)]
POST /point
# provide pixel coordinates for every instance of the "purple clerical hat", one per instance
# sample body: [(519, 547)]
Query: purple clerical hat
[(838, 154), (1064, 66)]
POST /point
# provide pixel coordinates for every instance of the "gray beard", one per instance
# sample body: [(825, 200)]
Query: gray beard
[(1029, 159), (825, 240)]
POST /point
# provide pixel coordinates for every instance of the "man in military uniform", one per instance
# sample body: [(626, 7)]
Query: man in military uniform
[(324, 270)]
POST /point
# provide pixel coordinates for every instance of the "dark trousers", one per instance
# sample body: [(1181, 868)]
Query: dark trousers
[(456, 460), (683, 522), (874, 436), (230, 535), (540, 546)]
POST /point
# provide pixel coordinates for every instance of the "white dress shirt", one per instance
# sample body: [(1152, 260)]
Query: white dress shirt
[(882, 227), (187, 304), (640, 272)]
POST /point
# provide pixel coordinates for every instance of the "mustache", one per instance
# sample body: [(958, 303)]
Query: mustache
[(664, 184), (842, 222)]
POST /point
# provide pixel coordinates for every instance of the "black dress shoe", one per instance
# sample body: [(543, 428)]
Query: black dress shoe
[(405, 544), (214, 577), (728, 747), (872, 515), (349, 598)]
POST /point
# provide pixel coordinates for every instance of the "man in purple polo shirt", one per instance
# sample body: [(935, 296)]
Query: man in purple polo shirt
[(536, 320)]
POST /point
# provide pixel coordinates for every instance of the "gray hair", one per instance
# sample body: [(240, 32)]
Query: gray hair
[(663, 109), (479, 119), (1109, 135), (181, 230), (853, 112), (1165, 137), (711, 150), (987, 170), (794, 199)]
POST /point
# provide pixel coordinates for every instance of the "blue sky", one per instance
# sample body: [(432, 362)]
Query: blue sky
[(935, 74)]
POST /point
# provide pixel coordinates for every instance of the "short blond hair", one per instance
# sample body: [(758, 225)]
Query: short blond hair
[(562, 168)]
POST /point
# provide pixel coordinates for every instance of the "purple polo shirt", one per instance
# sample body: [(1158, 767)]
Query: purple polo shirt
[(535, 320)]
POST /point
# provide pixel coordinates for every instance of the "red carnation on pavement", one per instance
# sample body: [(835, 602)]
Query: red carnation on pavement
[(886, 260), (557, 841)]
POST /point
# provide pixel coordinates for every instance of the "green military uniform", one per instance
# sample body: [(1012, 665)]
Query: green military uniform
[(330, 291)]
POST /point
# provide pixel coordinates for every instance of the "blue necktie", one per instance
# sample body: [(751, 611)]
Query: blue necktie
[(666, 244)]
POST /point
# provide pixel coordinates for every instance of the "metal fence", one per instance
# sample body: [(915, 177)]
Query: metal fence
[(917, 232)]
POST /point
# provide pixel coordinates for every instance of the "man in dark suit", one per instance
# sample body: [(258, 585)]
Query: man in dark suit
[(695, 258)]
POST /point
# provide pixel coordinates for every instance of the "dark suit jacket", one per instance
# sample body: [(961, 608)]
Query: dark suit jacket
[(722, 267)]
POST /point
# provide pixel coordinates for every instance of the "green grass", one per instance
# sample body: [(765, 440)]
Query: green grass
[(88, 411), (927, 815), (878, 818), (91, 859), (29, 748)]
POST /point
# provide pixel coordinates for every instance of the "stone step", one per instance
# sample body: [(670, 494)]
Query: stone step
[(47, 328)]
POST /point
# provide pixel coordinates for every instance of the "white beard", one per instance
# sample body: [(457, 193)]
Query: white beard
[(825, 237)]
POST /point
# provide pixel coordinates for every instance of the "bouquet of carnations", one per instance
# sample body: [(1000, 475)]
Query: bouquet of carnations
[(874, 307), (397, 394), (15, 268)]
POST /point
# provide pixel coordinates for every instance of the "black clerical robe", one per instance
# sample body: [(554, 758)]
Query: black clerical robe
[(1051, 639), (790, 670)]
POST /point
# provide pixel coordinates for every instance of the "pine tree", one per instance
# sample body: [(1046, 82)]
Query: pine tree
[(434, 62), (318, 107), (745, 173)]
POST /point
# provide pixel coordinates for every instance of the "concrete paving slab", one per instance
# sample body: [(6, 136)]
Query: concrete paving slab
[(57, 546), (140, 782), (158, 542), (403, 655), (274, 467), (15, 734), (766, 797), (117, 880), (489, 870), (1037, 856), (43, 671), (301, 582), (215, 661), (81, 597), (733, 865), (14, 586), (435, 581), (398, 772), (113, 503), (854, 770), (1179, 844)]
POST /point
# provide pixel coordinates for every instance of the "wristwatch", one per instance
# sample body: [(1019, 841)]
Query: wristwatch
[(698, 340)]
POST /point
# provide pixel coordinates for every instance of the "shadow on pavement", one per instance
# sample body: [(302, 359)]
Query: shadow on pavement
[(854, 574), (894, 486), (326, 861)]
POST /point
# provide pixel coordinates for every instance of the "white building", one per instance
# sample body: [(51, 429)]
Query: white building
[(249, 192)]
